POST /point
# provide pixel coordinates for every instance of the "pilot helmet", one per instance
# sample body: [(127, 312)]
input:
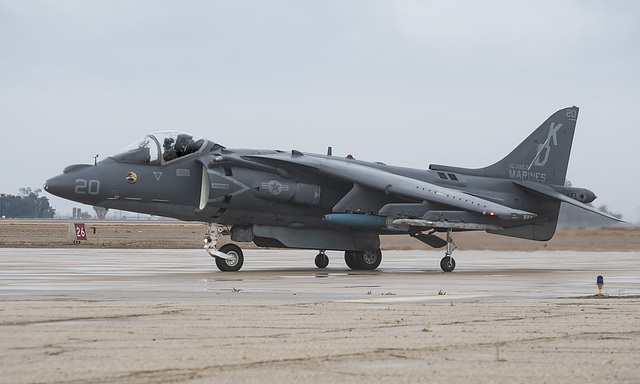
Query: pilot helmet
[(168, 142)]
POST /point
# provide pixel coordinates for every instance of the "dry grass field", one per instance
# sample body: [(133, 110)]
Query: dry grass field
[(183, 235)]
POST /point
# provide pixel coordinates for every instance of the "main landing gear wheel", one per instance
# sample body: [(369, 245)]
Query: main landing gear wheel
[(235, 261), (350, 259), (369, 260), (322, 260), (363, 260)]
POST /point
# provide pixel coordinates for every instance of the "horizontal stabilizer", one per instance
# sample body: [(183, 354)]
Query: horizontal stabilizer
[(550, 192)]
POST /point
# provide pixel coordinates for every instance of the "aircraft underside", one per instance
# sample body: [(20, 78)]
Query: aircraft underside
[(361, 248)]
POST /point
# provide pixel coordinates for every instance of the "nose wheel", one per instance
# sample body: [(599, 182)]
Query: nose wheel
[(234, 259)]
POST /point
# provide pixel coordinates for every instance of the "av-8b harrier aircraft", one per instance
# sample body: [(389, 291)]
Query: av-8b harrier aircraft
[(324, 202)]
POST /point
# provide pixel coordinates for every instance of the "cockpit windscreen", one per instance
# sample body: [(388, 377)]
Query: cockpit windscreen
[(159, 148)]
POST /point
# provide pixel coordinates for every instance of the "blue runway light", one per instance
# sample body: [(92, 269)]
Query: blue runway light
[(600, 283)]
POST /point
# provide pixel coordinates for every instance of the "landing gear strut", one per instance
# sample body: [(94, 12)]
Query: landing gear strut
[(322, 260), (229, 257), (447, 263)]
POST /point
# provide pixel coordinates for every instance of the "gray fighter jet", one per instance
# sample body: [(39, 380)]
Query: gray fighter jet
[(324, 202)]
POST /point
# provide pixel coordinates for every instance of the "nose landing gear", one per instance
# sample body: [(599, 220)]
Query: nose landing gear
[(229, 257)]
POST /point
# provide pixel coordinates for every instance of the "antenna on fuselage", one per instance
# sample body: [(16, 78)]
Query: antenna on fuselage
[(95, 159), (329, 151)]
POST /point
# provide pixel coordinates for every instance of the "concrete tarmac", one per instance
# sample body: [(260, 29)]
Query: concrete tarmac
[(156, 316)]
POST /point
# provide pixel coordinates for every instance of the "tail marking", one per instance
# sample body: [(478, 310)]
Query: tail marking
[(552, 134)]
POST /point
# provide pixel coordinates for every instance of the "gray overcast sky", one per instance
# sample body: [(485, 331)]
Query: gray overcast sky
[(403, 82)]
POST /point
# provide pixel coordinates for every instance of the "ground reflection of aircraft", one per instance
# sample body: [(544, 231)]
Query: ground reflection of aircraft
[(325, 202)]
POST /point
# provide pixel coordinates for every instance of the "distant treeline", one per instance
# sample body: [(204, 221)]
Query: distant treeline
[(28, 204)]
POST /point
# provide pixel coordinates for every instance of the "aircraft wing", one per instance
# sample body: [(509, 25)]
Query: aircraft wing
[(550, 192), (390, 183)]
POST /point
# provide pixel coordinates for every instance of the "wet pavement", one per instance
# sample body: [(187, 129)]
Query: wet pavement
[(291, 274), (149, 316)]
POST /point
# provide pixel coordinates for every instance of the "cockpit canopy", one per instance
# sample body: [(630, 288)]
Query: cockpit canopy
[(160, 148)]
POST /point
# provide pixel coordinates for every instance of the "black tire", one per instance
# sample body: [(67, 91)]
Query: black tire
[(350, 259), (368, 260), (446, 265), (233, 264), (322, 260)]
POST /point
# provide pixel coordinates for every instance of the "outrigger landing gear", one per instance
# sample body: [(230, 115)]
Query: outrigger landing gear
[(229, 257), (447, 263), (322, 260)]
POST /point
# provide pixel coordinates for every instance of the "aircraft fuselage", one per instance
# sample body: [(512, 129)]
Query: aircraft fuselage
[(299, 200)]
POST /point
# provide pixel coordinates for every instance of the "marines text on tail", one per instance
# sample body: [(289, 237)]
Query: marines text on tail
[(324, 202)]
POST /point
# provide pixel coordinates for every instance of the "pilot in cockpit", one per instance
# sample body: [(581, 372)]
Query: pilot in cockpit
[(169, 151), (186, 145), (181, 146)]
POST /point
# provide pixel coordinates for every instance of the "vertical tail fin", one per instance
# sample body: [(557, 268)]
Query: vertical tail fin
[(544, 155), (541, 157)]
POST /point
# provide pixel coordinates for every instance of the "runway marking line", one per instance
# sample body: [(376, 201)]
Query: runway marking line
[(407, 299)]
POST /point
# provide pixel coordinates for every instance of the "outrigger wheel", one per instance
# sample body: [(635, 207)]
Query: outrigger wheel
[(447, 263)]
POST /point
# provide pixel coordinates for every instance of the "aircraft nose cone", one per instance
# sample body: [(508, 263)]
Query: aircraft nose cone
[(76, 183), (57, 186)]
